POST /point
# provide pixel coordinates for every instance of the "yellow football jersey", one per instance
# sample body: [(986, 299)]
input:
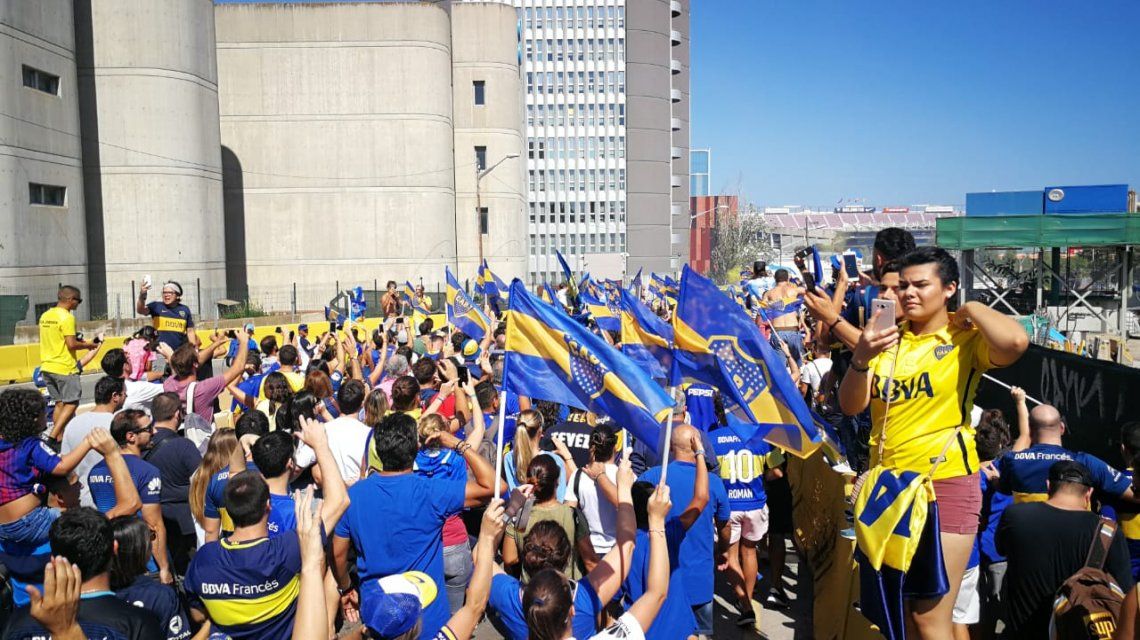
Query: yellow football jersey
[(935, 378)]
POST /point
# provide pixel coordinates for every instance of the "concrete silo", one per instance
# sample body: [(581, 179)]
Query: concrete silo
[(42, 226), (151, 148)]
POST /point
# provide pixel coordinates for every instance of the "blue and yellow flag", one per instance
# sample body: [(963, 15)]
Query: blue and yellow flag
[(715, 342), (635, 283), (409, 295), (549, 356), (462, 312), (603, 315), (549, 296), (646, 338), (772, 309), (897, 546), (569, 275)]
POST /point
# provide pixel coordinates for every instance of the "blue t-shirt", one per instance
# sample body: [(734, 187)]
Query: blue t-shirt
[(171, 322), (409, 511), (504, 608), (699, 404), (25, 563), (742, 470), (145, 476), (675, 620), (250, 387), (214, 505), (282, 514), (994, 504), (443, 463), (1024, 473), (161, 600), (249, 589), (697, 547), (232, 351)]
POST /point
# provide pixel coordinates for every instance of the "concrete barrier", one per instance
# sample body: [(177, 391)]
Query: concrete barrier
[(19, 361)]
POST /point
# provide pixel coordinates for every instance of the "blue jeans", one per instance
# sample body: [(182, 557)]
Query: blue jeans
[(704, 615), (794, 340), (32, 529), (457, 570)]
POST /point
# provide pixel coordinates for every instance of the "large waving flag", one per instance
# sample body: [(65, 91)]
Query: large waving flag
[(716, 343), (462, 312), (549, 356), (409, 295), (565, 269), (603, 315), (645, 338)]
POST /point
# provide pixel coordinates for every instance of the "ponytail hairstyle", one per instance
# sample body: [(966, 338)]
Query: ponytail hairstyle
[(525, 446), (547, 602), (543, 473)]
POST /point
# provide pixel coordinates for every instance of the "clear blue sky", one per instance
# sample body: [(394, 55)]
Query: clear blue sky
[(908, 102)]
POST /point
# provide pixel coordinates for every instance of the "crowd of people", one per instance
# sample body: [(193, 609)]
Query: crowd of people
[(351, 485)]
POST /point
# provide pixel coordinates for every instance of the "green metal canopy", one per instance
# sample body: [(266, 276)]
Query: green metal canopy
[(1089, 230)]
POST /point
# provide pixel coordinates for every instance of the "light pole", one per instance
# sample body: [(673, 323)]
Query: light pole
[(479, 175)]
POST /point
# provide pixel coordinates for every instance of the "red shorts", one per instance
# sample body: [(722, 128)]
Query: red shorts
[(959, 504)]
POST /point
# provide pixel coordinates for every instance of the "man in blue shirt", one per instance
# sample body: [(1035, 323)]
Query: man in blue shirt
[(396, 520), (742, 471), (273, 457), (697, 547), (132, 430), (1025, 473)]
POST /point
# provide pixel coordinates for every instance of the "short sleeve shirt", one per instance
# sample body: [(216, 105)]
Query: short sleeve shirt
[(205, 392), (249, 589), (699, 403), (1024, 473), (214, 506), (282, 515), (160, 599), (574, 432), (505, 610), (697, 547), (935, 378), (410, 510), (171, 322), (742, 469), (144, 475), (55, 358), (675, 619), (177, 460)]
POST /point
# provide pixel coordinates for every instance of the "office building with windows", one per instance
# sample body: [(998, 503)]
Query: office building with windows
[(607, 134)]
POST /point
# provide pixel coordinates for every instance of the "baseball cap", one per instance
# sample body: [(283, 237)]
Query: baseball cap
[(471, 349), (302, 327), (1070, 471), (392, 605), (249, 327)]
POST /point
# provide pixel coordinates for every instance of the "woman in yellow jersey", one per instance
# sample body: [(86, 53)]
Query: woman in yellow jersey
[(919, 380)]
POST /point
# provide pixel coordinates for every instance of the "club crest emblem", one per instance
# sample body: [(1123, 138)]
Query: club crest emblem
[(942, 351), (460, 306), (586, 371), (746, 375)]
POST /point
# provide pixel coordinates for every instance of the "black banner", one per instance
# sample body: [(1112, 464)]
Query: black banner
[(1095, 397)]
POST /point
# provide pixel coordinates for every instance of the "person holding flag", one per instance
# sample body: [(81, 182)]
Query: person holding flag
[(920, 505), (782, 310)]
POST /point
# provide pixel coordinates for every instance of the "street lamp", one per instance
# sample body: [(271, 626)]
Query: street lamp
[(479, 175)]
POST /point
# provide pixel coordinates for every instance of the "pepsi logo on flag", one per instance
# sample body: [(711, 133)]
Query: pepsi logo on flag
[(942, 351), (585, 369), (745, 373)]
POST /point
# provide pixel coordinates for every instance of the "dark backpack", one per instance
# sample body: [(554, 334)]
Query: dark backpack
[(1088, 603)]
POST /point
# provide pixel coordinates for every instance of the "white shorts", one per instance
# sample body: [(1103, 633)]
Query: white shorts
[(968, 606), (753, 525)]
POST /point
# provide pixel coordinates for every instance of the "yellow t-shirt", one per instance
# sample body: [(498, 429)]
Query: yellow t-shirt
[(55, 325), (935, 379)]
